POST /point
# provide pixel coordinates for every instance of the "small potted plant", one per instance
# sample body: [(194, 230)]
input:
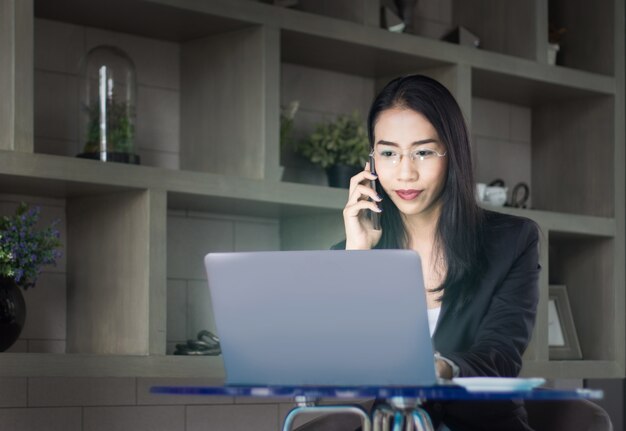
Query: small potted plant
[(340, 147), (23, 251), (120, 132)]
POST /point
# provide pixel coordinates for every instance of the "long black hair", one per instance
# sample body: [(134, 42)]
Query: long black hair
[(458, 235)]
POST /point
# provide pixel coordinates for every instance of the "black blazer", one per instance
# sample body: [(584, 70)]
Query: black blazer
[(489, 336)]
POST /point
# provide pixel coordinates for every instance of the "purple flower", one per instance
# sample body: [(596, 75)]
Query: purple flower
[(25, 249)]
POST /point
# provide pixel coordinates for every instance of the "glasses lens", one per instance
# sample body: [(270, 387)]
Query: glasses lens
[(391, 157), (423, 154)]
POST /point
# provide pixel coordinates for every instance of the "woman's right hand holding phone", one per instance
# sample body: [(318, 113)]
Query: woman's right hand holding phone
[(360, 233)]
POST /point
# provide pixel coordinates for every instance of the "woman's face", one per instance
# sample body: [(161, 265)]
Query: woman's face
[(415, 185)]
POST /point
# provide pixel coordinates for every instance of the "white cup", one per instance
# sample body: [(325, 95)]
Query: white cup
[(495, 195), (480, 191)]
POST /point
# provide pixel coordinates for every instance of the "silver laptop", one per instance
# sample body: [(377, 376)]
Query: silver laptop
[(344, 318)]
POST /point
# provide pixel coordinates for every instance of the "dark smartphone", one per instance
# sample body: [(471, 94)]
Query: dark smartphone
[(374, 216)]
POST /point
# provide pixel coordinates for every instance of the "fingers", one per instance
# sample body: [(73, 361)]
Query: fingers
[(362, 195), (360, 186), (362, 176), (361, 191), (354, 209)]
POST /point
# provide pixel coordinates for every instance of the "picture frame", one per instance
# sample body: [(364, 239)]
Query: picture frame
[(562, 339)]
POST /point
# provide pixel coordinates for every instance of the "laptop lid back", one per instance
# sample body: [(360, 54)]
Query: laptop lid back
[(342, 318)]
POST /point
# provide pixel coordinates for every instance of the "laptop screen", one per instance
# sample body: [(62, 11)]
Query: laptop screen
[(332, 317)]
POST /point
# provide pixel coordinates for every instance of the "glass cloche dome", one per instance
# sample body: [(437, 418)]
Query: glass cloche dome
[(108, 98)]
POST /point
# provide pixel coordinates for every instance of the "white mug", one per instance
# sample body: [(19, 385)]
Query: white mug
[(495, 195), (480, 191)]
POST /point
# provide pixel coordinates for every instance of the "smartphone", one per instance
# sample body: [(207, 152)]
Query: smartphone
[(374, 216)]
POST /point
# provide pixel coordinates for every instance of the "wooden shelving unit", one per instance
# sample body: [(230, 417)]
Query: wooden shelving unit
[(577, 160)]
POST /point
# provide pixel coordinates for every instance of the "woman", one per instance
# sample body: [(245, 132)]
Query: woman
[(480, 267)]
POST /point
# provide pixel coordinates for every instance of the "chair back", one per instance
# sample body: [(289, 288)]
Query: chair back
[(571, 415)]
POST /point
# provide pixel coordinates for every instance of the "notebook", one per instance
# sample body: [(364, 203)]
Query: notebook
[(322, 318)]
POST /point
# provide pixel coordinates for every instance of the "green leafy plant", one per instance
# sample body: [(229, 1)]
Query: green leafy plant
[(23, 249), (120, 129), (343, 141)]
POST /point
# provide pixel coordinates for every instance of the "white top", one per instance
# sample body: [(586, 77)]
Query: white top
[(433, 316)]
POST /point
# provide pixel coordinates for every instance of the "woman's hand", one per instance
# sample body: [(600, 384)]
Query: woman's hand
[(360, 234), (443, 369)]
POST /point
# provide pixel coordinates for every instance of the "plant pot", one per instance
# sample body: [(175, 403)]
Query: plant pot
[(12, 313), (133, 159), (339, 175), (553, 49)]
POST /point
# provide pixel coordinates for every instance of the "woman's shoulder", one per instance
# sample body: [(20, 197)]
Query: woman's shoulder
[(498, 225), (498, 220)]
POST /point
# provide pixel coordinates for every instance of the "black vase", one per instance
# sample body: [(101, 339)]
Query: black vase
[(12, 313), (339, 175)]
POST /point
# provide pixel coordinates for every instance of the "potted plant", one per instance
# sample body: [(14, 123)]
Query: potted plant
[(23, 251), (340, 147), (119, 133)]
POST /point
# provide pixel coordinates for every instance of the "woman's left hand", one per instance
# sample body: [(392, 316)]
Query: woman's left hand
[(444, 370)]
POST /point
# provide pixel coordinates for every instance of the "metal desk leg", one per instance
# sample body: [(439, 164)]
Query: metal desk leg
[(308, 406), (408, 422), (409, 415), (398, 421), (381, 418), (422, 420)]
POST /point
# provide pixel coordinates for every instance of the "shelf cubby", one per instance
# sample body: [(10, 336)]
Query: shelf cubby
[(573, 156), (567, 156), (584, 264), (588, 42), (510, 31), (109, 287)]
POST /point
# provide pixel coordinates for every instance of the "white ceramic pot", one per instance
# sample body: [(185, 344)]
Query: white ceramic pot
[(553, 49)]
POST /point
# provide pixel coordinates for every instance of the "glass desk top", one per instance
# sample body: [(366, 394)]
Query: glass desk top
[(432, 393)]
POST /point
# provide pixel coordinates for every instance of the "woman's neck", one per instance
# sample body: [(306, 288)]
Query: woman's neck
[(422, 228)]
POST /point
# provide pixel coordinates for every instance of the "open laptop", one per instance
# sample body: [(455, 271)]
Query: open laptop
[(340, 318)]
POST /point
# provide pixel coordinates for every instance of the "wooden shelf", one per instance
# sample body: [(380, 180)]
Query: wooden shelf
[(159, 19), (64, 177), (563, 222), (572, 369), (525, 83), (75, 365), (78, 365)]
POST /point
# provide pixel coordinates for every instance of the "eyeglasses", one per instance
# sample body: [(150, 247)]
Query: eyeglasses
[(388, 157)]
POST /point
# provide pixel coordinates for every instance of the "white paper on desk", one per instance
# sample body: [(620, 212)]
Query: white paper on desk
[(498, 384)]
